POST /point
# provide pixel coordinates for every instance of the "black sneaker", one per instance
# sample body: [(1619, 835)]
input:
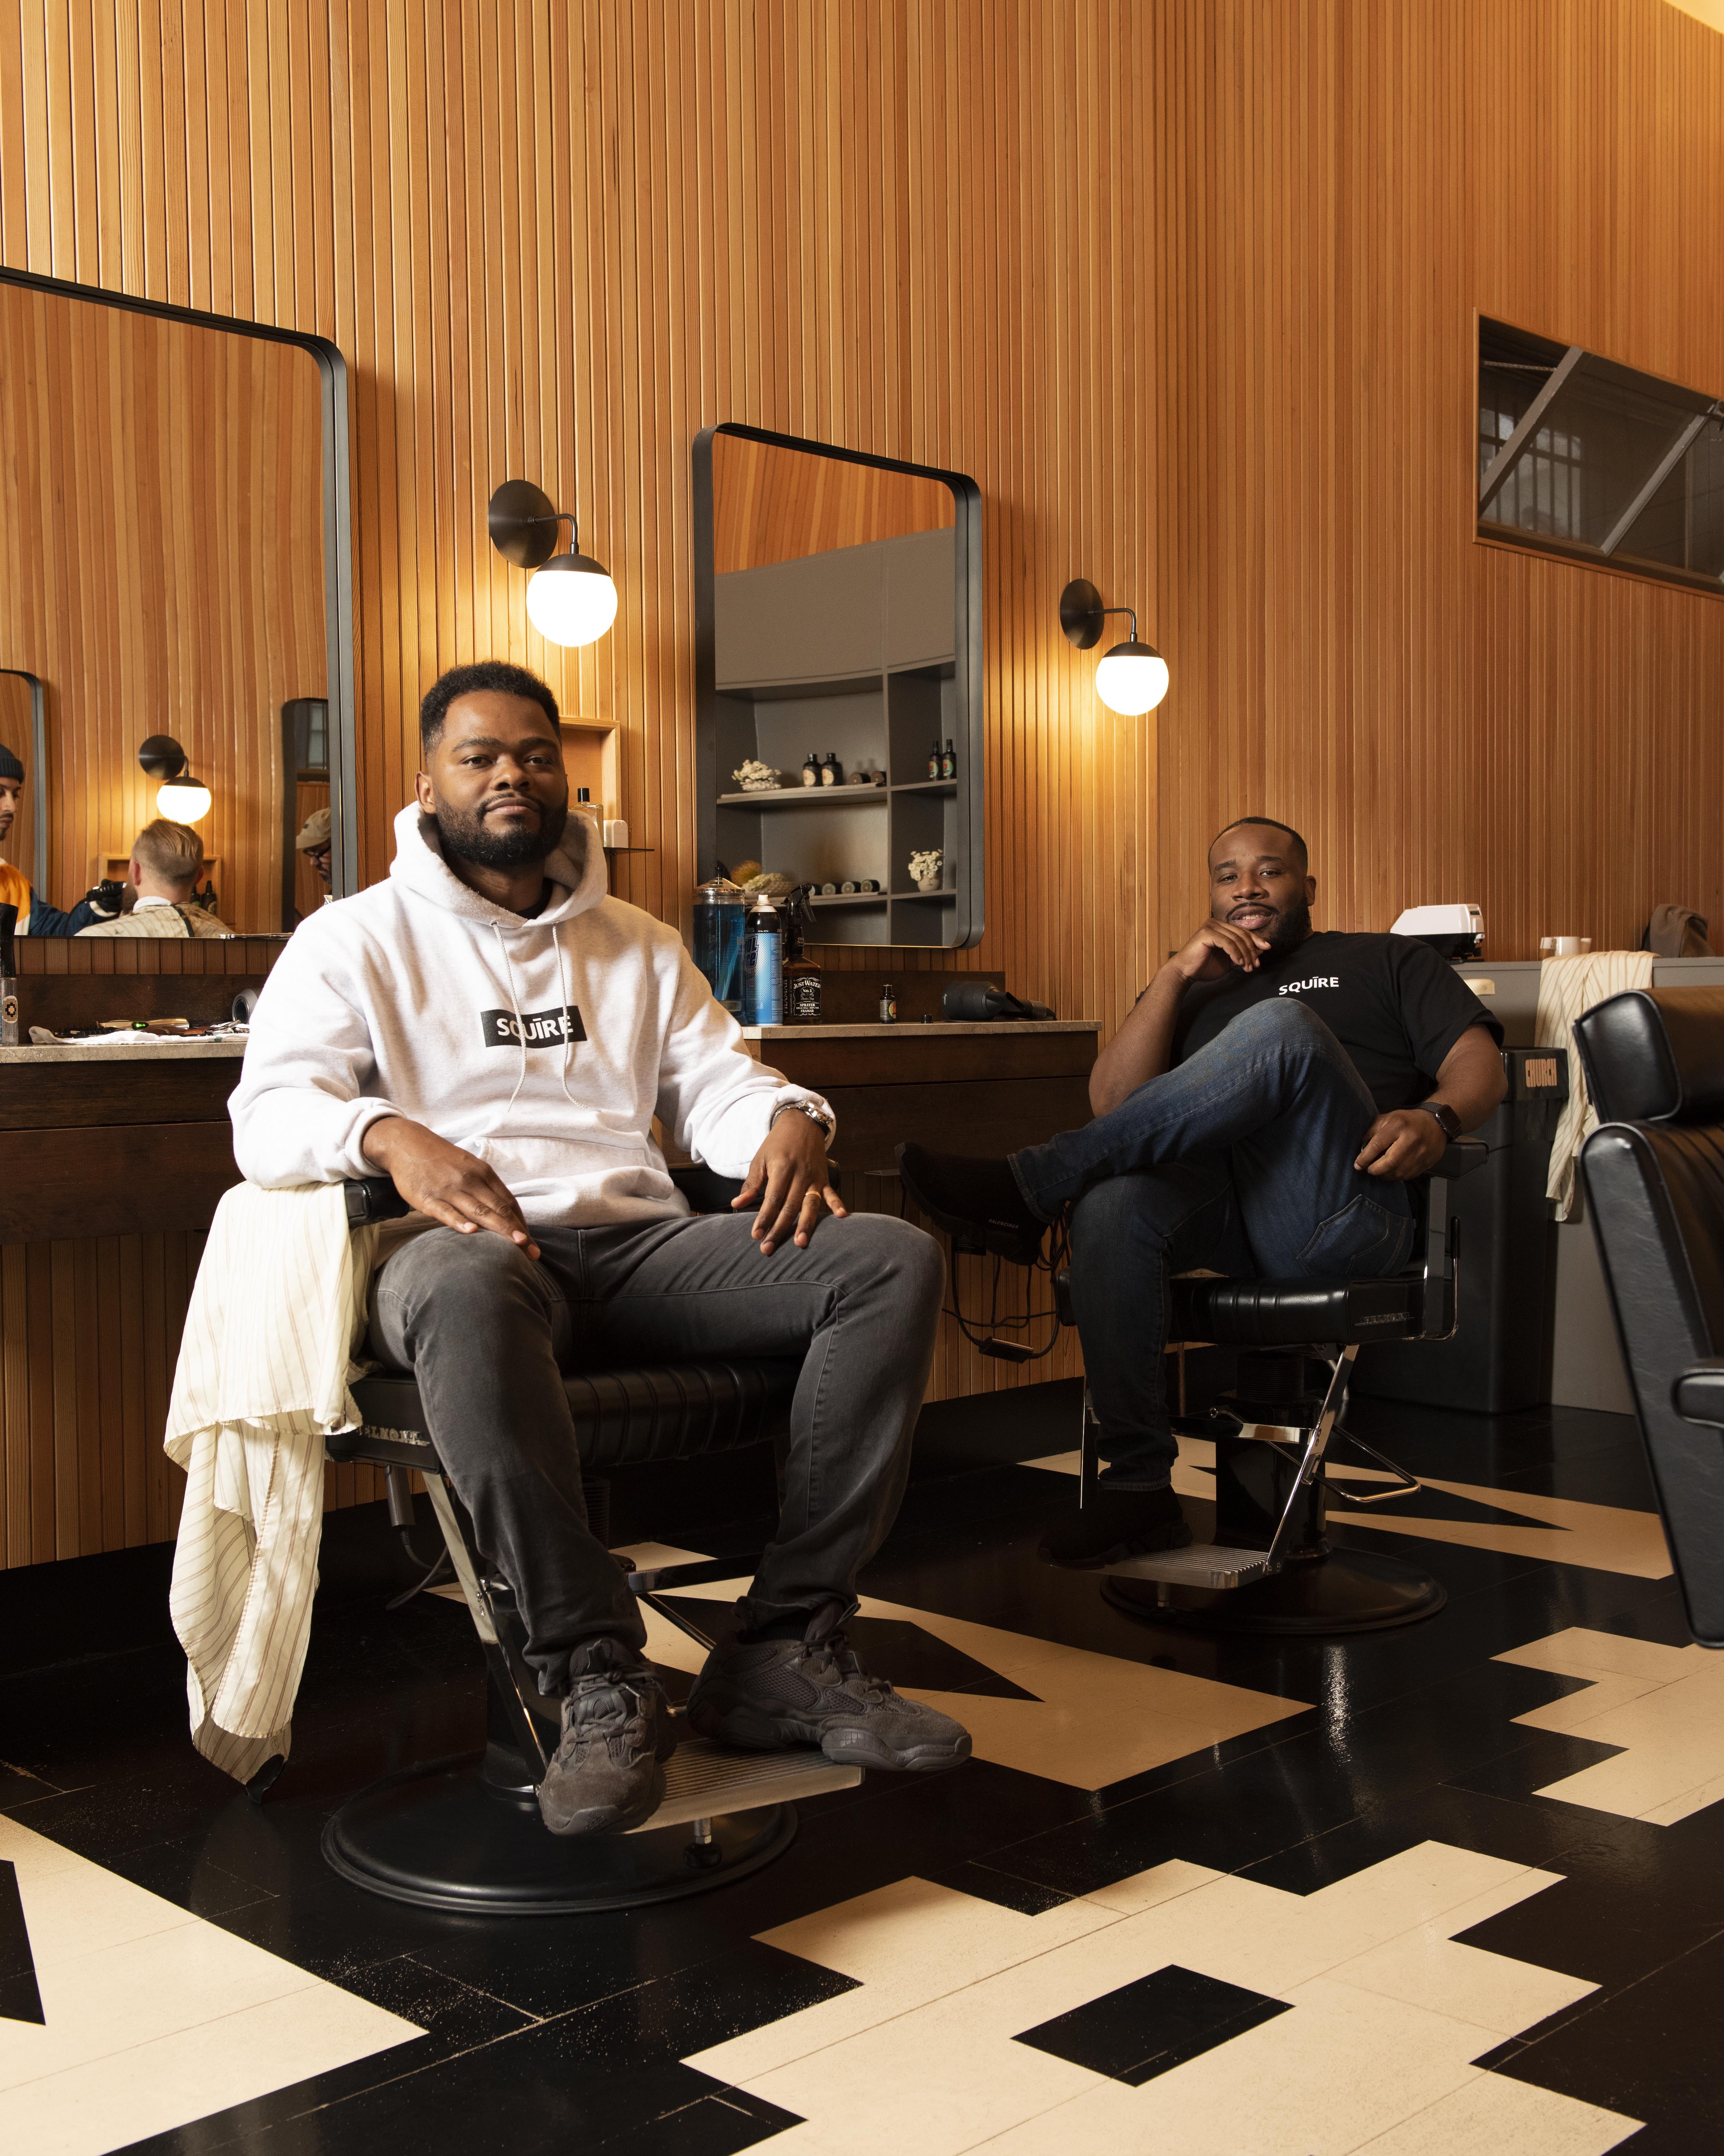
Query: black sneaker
[(768, 1695), (607, 1774), (1116, 1524), (977, 1202)]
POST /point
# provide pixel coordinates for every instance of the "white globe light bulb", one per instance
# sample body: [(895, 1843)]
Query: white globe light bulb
[(183, 800), (571, 599), (1131, 679)]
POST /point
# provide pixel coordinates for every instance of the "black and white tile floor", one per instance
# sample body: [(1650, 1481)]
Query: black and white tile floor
[(1455, 1888)]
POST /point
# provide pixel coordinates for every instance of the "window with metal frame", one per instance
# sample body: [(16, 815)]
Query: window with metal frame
[(1596, 462)]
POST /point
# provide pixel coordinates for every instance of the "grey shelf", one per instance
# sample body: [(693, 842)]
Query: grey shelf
[(926, 897), (847, 898), (938, 788), (804, 797)]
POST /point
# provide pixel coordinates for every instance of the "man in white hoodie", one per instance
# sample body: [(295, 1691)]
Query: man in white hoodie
[(495, 1034)]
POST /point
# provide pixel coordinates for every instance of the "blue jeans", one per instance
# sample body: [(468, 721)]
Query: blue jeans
[(1239, 1160)]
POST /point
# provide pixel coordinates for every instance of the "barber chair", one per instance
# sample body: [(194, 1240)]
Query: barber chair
[(1274, 1356), (1653, 1178), (465, 1834)]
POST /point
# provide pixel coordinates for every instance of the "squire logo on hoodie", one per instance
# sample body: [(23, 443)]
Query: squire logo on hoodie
[(538, 1029)]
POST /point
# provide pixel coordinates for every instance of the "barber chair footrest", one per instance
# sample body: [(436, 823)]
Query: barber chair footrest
[(701, 1777), (439, 1837), (1340, 1591), (1199, 1564)]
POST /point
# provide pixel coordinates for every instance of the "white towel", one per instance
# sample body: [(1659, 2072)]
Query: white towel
[(1567, 987), (277, 1310)]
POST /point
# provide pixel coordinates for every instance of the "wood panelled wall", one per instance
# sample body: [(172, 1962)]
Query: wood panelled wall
[(1187, 287), (771, 504), (1348, 185), (161, 569)]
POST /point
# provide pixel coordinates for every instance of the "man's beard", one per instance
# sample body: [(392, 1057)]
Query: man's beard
[(1291, 928), (466, 838)]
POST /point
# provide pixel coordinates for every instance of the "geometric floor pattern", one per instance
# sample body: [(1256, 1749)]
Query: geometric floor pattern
[(1663, 1706), (1386, 2013), (149, 2017)]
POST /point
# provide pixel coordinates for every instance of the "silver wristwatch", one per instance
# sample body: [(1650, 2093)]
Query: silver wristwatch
[(827, 1124)]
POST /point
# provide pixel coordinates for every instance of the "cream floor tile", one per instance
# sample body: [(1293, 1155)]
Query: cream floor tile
[(1575, 1709), (1491, 2113), (130, 1984), (1276, 2087), (906, 1944), (1145, 1890), (1579, 1652), (1686, 1805), (108, 2102)]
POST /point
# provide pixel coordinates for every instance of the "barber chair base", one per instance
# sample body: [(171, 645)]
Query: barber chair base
[(1338, 1591), (441, 1837)]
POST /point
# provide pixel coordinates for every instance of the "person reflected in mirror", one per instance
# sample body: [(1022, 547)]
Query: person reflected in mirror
[(1259, 1114), (315, 843), (35, 916), (492, 1030), (167, 862)]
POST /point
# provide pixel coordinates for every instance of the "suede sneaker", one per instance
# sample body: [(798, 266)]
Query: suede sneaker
[(768, 1695), (607, 1773)]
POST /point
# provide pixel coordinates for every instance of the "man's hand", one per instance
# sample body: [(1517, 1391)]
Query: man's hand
[(442, 1180), (1402, 1145), (791, 1168), (1217, 946)]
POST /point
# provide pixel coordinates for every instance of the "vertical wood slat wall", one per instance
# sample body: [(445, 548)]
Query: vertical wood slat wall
[(162, 572), (1348, 186), (1188, 287), (771, 504)]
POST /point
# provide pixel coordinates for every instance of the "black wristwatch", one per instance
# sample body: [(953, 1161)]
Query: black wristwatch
[(1448, 1120)]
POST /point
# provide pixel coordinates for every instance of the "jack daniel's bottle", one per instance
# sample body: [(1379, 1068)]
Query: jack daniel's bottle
[(800, 975), (9, 978)]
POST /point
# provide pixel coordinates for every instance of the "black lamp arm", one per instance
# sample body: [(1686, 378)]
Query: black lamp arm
[(1131, 612)]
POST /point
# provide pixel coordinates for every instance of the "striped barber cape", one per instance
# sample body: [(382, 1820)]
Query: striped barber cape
[(277, 1310)]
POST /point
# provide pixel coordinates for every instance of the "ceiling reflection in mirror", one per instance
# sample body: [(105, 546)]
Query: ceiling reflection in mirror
[(842, 694), (163, 573)]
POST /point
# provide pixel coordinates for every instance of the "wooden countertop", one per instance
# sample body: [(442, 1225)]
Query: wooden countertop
[(128, 1047), (918, 1029)]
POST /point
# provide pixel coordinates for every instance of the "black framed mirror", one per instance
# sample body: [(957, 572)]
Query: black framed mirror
[(838, 640), (175, 560)]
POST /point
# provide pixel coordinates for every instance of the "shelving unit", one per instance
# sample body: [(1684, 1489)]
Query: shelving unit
[(867, 652)]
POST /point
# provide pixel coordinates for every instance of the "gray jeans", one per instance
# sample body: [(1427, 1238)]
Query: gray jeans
[(487, 1333)]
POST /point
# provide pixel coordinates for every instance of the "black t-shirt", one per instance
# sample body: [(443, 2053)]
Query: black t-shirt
[(1393, 1005)]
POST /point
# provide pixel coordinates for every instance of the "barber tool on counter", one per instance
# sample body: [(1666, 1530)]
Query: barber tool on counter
[(1452, 932), (9, 978), (974, 1003)]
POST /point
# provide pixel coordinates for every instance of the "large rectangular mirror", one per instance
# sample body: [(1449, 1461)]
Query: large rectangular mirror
[(174, 561), (838, 660)]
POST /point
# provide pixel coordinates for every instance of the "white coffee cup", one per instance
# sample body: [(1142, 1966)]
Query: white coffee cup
[(1564, 946)]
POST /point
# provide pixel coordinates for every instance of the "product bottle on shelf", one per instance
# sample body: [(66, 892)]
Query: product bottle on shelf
[(949, 761), (763, 965), (829, 773), (933, 758), (810, 770), (888, 1006), (801, 975)]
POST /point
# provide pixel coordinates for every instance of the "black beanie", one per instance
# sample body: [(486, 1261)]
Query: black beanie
[(10, 768)]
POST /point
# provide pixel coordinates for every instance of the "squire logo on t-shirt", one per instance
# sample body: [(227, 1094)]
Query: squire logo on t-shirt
[(545, 1028), (1316, 981)]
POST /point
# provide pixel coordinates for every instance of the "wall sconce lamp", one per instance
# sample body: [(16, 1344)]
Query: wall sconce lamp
[(182, 798), (1132, 678), (570, 597)]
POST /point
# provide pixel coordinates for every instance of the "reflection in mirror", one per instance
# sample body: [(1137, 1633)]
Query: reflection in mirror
[(162, 571), (839, 693)]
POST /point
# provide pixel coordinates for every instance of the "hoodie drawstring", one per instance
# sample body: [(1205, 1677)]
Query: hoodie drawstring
[(567, 1022), (502, 1117)]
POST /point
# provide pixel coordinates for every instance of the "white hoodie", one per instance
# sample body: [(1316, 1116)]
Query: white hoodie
[(419, 997)]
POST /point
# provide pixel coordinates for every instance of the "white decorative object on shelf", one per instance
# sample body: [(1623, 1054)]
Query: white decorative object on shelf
[(925, 869), (756, 778)]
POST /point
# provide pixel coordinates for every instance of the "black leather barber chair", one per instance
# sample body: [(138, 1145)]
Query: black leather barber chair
[(1262, 1357), (1653, 1178), (465, 1834)]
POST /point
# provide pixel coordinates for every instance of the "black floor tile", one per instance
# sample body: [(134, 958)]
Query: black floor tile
[(1149, 2026)]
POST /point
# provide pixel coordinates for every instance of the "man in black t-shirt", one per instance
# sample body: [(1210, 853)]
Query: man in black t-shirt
[(1258, 1114)]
